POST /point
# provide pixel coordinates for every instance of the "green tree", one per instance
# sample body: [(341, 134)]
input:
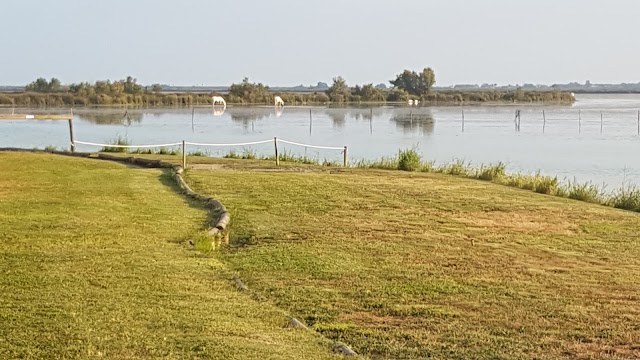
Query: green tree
[(131, 86), (427, 79), (368, 92), (40, 85), (339, 91), (55, 85), (250, 92), (414, 83)]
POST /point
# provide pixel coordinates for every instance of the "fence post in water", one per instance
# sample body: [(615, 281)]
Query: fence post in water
[(544, 121), (462, 119), (73, 142), (275, 145), (344, 160), (371, 121), (638, 122), (310, 121), (579, 121), (184, 155), (600, 122)]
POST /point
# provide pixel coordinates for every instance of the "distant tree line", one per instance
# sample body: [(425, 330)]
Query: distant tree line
[(408, 85)]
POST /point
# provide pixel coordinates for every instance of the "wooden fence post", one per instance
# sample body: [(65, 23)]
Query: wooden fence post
[(275, 145), (544, 121), (344, 160), (73, 142), (462, 119), (184, 156)]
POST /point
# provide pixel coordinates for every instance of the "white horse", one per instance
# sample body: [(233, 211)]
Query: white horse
[(219, 100), (410, 102), (416, 102), (278, 101)]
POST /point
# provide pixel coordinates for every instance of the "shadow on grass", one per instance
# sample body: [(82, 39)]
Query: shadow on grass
[(166, 179)]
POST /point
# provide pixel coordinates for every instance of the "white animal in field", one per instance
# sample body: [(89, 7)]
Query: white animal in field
[(219, 100), (410, 102), (278, 101), (416, 102)]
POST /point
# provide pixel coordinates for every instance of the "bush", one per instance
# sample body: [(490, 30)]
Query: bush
[(492, 172), (583, 192), (545, 184), (119, 141), (627, 198), (409, 160)]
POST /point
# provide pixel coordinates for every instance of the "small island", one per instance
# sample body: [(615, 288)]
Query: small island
[(408, 87)]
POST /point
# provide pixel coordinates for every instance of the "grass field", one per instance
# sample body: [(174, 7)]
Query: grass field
[(94, 263), (415, 265)]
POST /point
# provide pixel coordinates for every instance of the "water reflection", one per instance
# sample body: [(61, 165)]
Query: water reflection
[(219, 110), (414, 123), (112, 118), (338, 116)]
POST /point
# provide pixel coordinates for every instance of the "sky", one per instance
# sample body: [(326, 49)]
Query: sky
[(293, 42)]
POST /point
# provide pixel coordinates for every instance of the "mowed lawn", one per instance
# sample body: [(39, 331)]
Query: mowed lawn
[(411, 265), (94, 263)]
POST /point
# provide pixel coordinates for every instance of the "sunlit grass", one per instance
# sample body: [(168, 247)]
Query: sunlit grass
[(415, 265), (95, 262)]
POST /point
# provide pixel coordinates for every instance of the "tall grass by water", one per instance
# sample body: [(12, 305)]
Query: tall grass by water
[(626, 197)]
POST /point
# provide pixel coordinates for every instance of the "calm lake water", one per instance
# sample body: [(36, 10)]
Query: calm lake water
[(573, 142)]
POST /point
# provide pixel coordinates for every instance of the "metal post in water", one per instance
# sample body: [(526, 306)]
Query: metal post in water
[(544, 121), (579, 121), (600, 122), (371, 121), (310, 121)]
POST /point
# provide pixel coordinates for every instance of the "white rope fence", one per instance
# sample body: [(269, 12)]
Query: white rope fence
[(231, 144), (311, 146), (275, 142), (127, 146)]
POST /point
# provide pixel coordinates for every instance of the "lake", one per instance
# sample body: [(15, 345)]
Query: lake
[(596, 139)]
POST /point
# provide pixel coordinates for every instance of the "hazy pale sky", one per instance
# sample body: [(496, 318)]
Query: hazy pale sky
[(292, 42)]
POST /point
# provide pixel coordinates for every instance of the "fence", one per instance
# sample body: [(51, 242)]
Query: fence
[(576, 117), (184, 144)]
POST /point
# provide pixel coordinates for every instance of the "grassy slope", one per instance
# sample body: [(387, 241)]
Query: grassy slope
[(92, 264), (407, 265)]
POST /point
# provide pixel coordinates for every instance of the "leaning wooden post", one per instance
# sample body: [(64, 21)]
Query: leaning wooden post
[(71, 138), (344, 155), (544, 121), (184, 155), (275, 145)]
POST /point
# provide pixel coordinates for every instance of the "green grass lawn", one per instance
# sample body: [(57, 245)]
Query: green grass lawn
[(94, 263), (413, 265)]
